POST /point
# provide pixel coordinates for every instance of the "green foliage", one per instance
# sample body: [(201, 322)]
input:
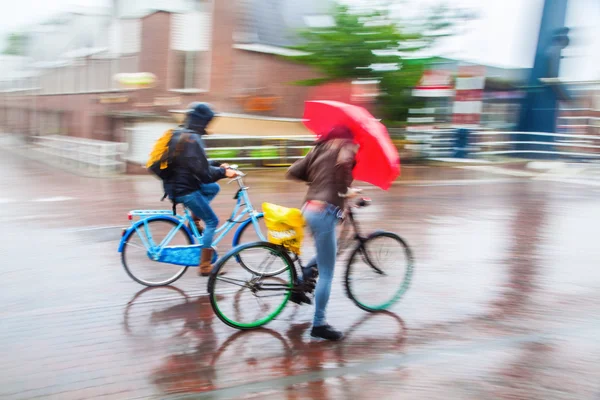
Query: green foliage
[(221, 154), (360, 40), (396, 91), (266, 152), (347, 49)]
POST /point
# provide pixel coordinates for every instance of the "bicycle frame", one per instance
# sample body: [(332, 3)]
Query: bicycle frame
[(242, 214), (346, 238)]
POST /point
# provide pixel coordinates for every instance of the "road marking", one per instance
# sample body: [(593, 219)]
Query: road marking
[(53, 199), (584, 182), (500, 171), (32, 217), (464, 182), (461, 160), (562, 172), (546, 165), (96, 228)]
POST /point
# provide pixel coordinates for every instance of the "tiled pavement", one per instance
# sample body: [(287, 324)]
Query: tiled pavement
[(504, 302)]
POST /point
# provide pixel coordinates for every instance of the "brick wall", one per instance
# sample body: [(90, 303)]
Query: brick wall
[(276, 76), (223, 54), (155, 51)]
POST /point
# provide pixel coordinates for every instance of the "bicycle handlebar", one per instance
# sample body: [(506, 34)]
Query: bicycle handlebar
[(234, 167)]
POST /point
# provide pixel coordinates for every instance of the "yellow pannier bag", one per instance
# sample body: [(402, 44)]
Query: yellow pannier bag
[(285, 226)]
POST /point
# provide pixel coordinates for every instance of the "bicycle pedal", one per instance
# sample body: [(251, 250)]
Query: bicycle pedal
[(308, 288), (310, 273), (310, 282)]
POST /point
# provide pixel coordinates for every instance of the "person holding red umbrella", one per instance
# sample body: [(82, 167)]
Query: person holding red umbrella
[(351, 144), (327, 169)]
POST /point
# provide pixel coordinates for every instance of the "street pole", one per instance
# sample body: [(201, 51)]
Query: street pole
[(539, 109)]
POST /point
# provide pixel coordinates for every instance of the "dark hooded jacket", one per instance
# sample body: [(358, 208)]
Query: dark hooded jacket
[(190, 166)]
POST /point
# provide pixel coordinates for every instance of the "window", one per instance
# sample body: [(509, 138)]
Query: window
[(82, 80), (100, 74), (185, 66), (128, 64), (190, 41)]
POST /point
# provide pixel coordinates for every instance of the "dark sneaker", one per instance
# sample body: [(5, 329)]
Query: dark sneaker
[(326, 332), (310, 273), (299, 298)]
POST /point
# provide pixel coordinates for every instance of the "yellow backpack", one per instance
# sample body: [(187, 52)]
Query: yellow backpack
[(285, 226), (161, 155), (160, 151)]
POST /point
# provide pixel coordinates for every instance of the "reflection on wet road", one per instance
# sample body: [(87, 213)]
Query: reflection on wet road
[(504, 302)]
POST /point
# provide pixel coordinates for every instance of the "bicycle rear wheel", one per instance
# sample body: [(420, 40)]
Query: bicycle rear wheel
[(379, 271), (134, 256), (247, 298)]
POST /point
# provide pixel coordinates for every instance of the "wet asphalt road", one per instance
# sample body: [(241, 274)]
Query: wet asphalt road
[(504, 303)]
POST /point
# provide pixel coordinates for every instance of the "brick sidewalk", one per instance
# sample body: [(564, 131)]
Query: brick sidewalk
[(504, 302)]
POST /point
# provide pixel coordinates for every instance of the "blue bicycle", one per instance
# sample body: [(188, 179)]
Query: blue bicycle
[(161, 245)]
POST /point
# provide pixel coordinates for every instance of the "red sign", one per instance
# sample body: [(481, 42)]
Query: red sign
[(434, 83), (468, 103), (435, 79)]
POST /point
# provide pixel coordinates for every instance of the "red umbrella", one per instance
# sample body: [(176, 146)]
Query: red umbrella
[(377, 160)]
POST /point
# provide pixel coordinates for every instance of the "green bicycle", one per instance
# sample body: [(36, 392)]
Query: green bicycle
[(378, 273)]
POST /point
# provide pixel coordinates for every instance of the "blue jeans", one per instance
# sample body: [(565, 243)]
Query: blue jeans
[(199, 205), (322, 225), (210, 190)]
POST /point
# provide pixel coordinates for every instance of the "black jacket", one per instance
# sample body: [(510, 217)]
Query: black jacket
[(190, 166)]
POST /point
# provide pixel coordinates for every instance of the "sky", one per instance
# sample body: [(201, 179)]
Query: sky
[(504, 35)]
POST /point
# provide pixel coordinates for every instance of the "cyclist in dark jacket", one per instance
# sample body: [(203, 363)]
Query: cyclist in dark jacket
[(194, 177)]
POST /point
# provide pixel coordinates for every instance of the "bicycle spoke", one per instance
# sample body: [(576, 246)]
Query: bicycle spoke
[(379, 272), (369, 260), (273, 258), (235, 282), (269, 293), (230, 280), (135, 258), (136, 246)]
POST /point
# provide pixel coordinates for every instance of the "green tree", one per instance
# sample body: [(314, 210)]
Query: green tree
[(370, 44), (16, 44)]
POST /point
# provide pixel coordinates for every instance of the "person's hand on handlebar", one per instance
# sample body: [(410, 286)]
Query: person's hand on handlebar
[(224, 165), (231, 173), (353, 192)]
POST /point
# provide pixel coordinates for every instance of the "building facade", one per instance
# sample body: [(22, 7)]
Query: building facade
[(226, 52)]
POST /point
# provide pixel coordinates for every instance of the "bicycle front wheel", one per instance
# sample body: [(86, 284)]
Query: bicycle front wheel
[(135, 258), (379, 271), (246, 298)]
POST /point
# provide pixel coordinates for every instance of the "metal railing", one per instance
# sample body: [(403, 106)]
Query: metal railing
[(431, 143), (96, 156), (486, 144), (258, 151), (524, 144)]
